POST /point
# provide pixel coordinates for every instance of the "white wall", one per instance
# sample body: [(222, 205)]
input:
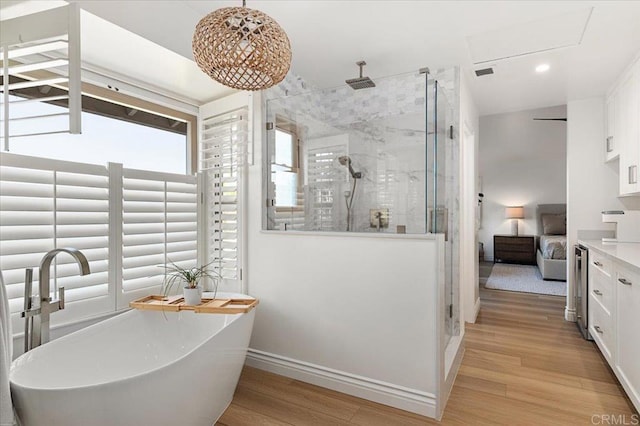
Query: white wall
[(469, 132), (356, 313), (522, 163), (592, 185)]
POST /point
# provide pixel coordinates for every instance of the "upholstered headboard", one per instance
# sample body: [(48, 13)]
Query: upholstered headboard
[(548, 209)]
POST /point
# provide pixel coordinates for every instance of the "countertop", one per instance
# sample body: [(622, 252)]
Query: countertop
[(629, 253)]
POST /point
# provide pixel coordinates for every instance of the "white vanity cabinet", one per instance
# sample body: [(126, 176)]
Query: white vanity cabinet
[(627, 310), (601, 300), (614, 310)]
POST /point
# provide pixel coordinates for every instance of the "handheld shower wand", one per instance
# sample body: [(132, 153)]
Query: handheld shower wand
[(345, 160)]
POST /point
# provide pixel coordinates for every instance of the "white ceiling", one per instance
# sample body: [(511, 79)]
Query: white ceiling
[(328, 37)]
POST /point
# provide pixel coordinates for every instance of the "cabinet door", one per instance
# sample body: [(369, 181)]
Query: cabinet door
[(611, 144), (630, 136), (628, 330)]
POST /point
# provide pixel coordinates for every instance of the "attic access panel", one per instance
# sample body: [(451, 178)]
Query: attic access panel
[(541, 35)]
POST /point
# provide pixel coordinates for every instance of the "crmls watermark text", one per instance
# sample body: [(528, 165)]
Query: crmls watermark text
[(615, 419)]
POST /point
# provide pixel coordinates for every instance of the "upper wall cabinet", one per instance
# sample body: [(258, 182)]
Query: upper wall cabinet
[(612, 127), (623, 128)]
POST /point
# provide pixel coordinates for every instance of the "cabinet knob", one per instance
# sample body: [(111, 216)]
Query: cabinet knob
[(598, 329), (598, 292), (597, 264), (625, 281)]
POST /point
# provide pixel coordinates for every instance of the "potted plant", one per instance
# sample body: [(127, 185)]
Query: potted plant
[(192, 291)]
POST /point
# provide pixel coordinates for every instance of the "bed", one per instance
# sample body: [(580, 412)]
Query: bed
[(552, 242)]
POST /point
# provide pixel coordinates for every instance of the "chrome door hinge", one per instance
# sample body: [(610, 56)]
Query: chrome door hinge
[(269, 125)]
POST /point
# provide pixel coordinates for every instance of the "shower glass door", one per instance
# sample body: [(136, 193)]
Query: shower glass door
[(442, 194)]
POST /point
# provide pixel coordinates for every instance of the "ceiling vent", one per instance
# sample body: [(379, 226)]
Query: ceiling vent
[(484, 71)]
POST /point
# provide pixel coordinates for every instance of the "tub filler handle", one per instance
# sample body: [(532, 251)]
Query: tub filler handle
[(28, 308), (36, 325)]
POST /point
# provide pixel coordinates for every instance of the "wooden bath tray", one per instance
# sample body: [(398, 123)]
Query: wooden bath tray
[(208, 305)]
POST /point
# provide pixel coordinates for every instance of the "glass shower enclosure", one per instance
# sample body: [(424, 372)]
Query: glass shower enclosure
[(382, 159)]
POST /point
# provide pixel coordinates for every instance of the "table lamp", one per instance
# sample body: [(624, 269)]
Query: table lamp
[(514, 213)]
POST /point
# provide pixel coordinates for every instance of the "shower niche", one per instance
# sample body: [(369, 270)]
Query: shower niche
[(367, 160)]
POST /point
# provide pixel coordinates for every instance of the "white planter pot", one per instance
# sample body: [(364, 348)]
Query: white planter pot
[(192, 296)]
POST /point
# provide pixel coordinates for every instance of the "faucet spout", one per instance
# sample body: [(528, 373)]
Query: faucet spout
[(45, 263), (40, 314)]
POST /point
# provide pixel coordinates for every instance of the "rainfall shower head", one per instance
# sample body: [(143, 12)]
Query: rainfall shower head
[(360, 82), (345, 160)]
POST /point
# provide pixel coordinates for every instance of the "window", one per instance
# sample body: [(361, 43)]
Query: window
[(285, 169), (111, 132), (61, 190)]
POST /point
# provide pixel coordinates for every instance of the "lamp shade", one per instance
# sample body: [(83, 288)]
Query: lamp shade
[(242, 48), (514, 212)]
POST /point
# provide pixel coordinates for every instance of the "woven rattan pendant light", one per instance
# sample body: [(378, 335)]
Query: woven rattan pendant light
[(242, 48)]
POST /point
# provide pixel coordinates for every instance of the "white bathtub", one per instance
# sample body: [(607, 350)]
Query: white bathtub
[(138, 368)]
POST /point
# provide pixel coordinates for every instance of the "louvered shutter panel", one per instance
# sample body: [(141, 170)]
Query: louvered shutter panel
[(128, 223), (46, 204), (223, 153), (160, 220), (40, 51), (322, 176)]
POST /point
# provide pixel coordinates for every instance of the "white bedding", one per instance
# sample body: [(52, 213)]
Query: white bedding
[(553, 246)]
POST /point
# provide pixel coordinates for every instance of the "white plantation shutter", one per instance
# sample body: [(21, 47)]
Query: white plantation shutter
[(223, 154), (126, 222), (160, 220), (322, 176), (41, 50), (46, 204)]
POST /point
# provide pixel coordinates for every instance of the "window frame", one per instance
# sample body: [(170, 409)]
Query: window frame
[(112, 94), (289, 127)]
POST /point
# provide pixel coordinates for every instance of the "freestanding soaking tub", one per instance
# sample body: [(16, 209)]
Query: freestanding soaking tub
[(137, 368)]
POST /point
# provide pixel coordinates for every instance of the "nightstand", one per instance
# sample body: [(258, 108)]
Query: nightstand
[(514, 249)]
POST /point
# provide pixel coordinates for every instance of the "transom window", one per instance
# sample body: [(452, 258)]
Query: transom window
[(110, 133)]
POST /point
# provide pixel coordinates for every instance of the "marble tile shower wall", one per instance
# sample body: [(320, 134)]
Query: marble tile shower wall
[(384, 134)]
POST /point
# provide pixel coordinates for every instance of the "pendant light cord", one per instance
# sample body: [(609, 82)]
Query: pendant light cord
[(244, 3)]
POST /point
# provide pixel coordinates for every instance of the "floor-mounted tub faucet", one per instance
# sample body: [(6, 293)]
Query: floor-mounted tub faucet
[(36, 327)]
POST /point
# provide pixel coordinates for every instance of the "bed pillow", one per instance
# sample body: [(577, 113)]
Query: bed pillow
[(554, 224)]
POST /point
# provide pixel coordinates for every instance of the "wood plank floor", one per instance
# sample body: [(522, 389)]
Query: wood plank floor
[(523, 365)]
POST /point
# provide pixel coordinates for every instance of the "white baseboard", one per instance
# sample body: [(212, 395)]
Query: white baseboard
[(476, 310), (451, 375), (570, 314), (415, 401)]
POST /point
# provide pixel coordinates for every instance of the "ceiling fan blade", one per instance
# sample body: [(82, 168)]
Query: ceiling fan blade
[(551, 119)]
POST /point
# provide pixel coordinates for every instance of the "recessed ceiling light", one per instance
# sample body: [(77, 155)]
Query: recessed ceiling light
[(542, 68)]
